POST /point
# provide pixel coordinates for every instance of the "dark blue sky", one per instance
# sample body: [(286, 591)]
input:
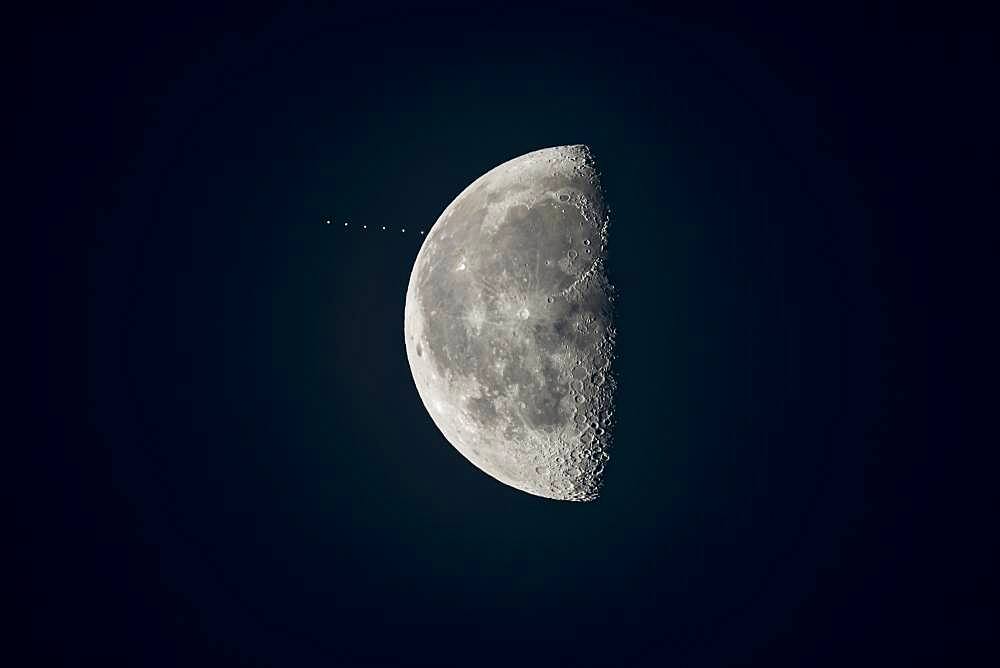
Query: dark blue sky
[(236, 464)]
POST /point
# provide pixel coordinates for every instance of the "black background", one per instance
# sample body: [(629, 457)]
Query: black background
[(236, 467)]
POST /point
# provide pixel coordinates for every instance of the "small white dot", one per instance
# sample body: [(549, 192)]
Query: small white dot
[(404, 229), (383, 227), (328, 222), (365, 226), (345, 224)]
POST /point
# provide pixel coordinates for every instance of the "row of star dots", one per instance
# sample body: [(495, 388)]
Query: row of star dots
[(365, 227)]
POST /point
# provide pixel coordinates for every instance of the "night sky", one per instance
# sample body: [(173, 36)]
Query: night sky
[(236, 465)]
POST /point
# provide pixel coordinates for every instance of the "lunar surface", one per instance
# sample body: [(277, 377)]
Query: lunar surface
[(508, 324)]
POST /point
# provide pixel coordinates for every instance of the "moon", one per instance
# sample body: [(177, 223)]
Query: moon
[(509, 326)]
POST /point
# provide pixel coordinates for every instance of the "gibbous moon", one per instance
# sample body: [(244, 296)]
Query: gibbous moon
[(508, 324)]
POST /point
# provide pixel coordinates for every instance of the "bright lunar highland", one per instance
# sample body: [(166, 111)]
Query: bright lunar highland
[(509, 325)]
